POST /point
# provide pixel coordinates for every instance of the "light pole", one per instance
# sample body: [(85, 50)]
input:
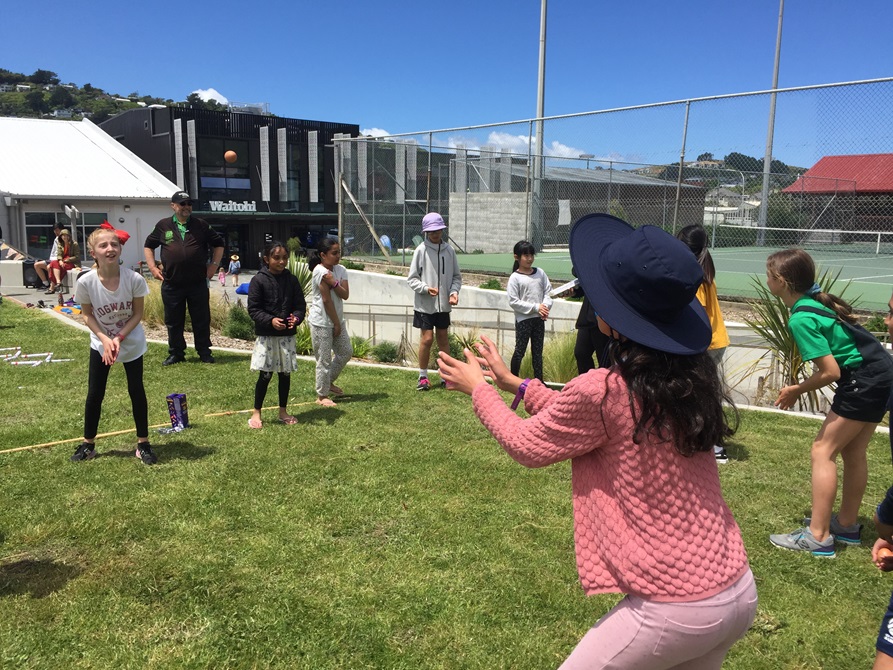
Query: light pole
[(588, 158), (767, 157)]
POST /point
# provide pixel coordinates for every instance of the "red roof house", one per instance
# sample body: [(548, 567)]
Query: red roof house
[(862, 173)]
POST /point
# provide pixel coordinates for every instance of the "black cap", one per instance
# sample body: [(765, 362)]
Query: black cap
[(180, 196)]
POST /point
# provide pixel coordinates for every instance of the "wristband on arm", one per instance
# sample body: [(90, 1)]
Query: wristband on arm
[(520, 394)]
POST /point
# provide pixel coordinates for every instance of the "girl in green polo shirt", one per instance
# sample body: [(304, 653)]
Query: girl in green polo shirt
[(826, 333)]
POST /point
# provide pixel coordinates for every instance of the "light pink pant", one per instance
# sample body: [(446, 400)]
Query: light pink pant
[(645, 635)]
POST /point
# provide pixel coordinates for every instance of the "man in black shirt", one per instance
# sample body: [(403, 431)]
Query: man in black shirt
[(187, 243)]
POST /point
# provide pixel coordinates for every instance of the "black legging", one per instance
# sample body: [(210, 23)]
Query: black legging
[(534, 331), (590, 340), (263, 381), (98, 378)]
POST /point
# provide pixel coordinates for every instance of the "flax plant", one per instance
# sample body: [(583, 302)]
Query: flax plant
[(770, 322)]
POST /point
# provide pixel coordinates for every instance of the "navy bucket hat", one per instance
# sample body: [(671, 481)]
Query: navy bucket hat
[(642, 282)]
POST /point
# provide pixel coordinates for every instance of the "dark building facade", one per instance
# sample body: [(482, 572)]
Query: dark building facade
[(280, 185)]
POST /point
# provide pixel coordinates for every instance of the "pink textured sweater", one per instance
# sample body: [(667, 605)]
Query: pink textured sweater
[(647, 520)]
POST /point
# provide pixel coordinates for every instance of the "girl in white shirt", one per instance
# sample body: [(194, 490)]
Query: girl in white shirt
[(111, 300), (327, 328)]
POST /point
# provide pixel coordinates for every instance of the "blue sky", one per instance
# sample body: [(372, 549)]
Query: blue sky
[(410, 66)]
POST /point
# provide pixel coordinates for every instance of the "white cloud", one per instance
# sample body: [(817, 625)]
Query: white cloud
[(211, 94), (375, 132)]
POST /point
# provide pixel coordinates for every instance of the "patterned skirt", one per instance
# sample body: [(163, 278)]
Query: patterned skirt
[(273, 353)]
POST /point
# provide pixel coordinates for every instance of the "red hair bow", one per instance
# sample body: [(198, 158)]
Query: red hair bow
[(123, 235)]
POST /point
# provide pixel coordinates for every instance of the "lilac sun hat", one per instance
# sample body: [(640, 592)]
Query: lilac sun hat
[(432, 221), (642, 282)]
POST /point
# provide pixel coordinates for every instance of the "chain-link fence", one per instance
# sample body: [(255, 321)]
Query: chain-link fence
[(830, 182)]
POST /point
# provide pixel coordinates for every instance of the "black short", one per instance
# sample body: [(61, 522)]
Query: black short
[(862, 394), (439, 320)]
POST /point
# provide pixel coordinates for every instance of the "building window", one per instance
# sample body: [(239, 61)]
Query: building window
[(39, 230), (219, 180)]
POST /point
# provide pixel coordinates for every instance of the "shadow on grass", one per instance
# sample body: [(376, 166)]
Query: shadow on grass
[(737, 451), (176, 450), (35, 577), (360, 397), (318, 414)]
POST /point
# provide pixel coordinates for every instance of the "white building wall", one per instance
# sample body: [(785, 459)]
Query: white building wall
[(138, 218)]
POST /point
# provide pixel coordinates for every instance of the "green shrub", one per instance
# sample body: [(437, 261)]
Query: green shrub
[(353, 265), (153, 309), (559, 363), (478, 251), (294, 246), (875, 323), (385, 352), (361, 346), (492, 284), (239, 324), (303, 341), (393, 272), (299, 268)]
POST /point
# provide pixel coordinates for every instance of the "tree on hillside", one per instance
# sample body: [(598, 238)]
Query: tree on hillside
[(706, 156), (8, 77), (37, 102), (743, 163), (61, 98), (195, 101), (44, 77)]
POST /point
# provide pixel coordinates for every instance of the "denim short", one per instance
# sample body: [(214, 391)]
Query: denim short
[(439, 320), (885, 635), (862, 394)]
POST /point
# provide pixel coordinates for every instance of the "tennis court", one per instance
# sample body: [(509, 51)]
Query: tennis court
[(871, 276)]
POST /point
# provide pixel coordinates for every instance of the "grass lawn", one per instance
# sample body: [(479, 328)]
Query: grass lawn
[(389, 532)]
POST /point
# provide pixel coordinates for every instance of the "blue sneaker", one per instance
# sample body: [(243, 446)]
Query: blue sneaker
[(803, 540), (845, 534)]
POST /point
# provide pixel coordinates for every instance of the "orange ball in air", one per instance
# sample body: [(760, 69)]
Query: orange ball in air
[(883, 552), (230, 156)]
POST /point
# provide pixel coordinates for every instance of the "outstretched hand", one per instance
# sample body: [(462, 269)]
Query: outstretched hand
[(465, 376), (459, 375)]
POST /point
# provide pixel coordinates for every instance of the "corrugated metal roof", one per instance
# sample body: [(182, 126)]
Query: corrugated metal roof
[(858, 173), (77, 159)]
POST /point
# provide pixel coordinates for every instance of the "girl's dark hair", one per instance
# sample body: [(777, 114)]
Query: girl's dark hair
[(796, 269), (521, 248), (674, 397), (324, 246), (695, 238), (268, 249)]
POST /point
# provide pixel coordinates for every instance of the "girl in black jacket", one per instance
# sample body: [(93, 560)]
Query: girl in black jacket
[(277, 306)]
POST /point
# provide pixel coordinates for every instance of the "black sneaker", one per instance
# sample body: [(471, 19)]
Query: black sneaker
[(424, 384), (173, 359), (206, 358), (721, 455), (84, 452), (145, 454)]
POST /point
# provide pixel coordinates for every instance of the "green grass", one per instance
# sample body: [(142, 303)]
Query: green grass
[(389, 532)]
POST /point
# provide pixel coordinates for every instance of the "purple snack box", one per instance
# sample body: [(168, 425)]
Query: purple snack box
[(178, 410)]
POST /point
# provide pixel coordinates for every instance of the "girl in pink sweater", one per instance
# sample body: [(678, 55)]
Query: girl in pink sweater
[(649, 517)]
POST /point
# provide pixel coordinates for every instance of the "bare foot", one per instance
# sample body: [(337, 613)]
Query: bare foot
[(255, 422), (326, 402), (335, 390)]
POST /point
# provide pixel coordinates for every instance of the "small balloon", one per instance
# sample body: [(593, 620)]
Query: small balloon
[(230, 156)]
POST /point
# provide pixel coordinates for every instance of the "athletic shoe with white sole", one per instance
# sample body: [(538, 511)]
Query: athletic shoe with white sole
[(803, 540)]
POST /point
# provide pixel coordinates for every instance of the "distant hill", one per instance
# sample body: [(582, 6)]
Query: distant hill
[(41, 95)]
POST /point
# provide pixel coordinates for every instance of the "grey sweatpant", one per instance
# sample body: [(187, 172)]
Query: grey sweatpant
[(328, 367)]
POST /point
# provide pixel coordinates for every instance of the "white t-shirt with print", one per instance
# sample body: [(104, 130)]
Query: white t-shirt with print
[(112, 309), (318, 316)]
